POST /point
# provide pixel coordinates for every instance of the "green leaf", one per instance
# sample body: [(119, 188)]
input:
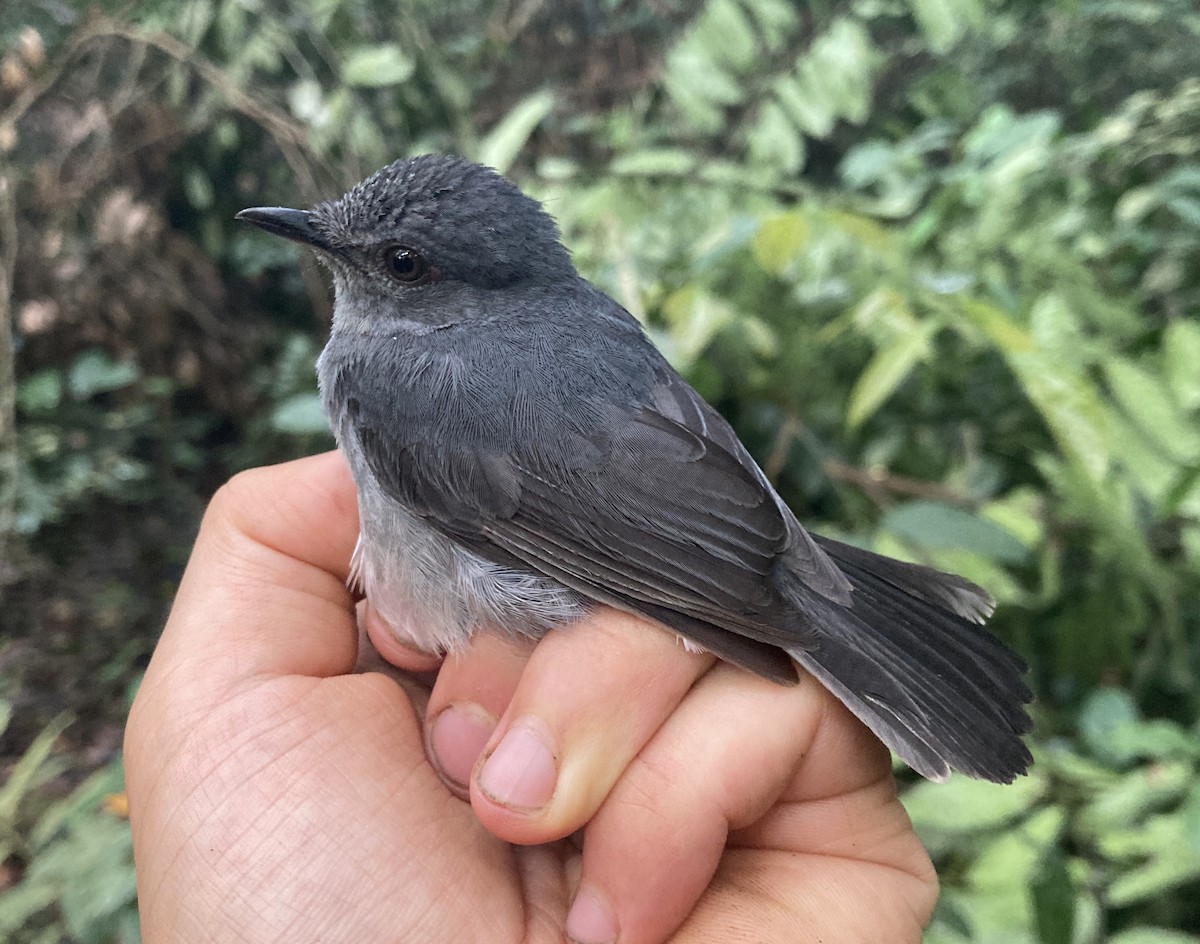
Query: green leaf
[(1056, 329), (780, 240), (996, 324), (965, 806), (887, 370), (1159, 739), (996, 901), (81, 864), (1186, 208), (943, 527), (1145, 399), (694, 318), (1054, 900), (21, 902), (308, 102), (25, 773), (503, 143), (812, 113), (97, 862), (949, 924), (880, 239), (40, 392), (1154, 471), (692, 72), (1153, 936), (700, 112), (80, 805), (192, 20), (655, 162), (95, 372), (300, 415), (833, 80), (1073, 410), (1104, 712), (1067, 400), (1171, 844), (1020, 512), (1133, 796), (775, 142), (726, 35), (868, 163), (845, 60), (377, 66), (776, 21), (199, 188), (1080, 772), (1181, 348), (944, 22), (1001, 136), (1011, 860)]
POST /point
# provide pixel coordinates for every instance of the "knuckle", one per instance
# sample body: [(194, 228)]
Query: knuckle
[(238, 495)]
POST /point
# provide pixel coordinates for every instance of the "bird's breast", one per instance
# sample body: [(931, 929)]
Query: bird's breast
[(433, 592)]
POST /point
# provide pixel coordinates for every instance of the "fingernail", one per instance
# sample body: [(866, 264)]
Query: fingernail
[(456, 739), (521, 772), (590, 920)]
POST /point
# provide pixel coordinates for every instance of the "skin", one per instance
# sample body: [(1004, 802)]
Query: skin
[(277, 794)]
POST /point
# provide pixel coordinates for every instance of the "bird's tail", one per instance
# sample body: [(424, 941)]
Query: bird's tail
[(910, 657)]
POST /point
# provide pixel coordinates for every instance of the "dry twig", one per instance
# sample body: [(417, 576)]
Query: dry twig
[(8, 368), (880, 484)]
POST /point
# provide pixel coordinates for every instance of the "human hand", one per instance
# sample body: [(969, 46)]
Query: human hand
[(275, 795)]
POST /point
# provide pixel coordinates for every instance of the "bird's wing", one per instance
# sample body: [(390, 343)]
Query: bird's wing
[(657, 509)]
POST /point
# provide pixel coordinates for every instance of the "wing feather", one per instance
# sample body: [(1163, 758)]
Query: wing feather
[(664, 510)]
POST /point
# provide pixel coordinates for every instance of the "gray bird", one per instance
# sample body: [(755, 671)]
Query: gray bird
[(522, 453)]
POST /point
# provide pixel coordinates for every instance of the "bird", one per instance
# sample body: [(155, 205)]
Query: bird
[(523, 453)]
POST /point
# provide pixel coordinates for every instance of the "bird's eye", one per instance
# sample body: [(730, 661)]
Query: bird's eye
[(409, 266)]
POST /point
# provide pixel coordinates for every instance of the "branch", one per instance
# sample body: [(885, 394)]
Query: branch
[(290, 136), (9, 460), (877, 482)]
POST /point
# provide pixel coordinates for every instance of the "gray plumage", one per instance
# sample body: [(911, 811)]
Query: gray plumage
[(523, 452)]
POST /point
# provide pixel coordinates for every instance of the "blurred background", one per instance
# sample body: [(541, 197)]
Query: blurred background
[(936, 259)]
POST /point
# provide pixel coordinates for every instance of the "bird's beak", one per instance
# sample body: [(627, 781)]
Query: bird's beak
[(295, 225)]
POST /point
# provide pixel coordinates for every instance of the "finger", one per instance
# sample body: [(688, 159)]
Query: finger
[(591, 696), (845, 839), (766, 896), (719, 762), (842, 801), (472, 691), (416, 684), (265, 589), (391, 645)]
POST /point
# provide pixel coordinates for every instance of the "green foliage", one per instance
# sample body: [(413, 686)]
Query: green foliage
[(78, 882), (83, 430), (1096, 829), (290, 422), (939, 261)]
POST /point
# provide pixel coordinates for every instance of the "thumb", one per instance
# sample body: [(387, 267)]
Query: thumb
[(265, 590)]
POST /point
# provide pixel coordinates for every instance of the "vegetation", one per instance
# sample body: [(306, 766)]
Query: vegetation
[(939, 261)]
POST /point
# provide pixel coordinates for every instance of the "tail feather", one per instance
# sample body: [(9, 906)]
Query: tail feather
[(989, 668), (949, 591), (909, 658)]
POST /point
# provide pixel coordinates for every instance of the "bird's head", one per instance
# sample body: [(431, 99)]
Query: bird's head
[(423, 238)]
